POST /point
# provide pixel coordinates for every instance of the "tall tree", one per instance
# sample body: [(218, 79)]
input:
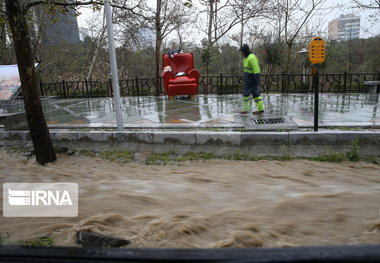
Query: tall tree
[(169, 15), (16, 12), (246, 10), (39, 132), (3, 34), (291, 17), (98, 45), (163, 18), (374, 4), (222, 17)]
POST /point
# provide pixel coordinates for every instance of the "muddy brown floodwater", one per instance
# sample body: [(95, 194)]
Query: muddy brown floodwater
[(211, 204)]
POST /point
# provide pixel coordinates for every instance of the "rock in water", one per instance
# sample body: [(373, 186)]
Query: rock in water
[(92, 239)]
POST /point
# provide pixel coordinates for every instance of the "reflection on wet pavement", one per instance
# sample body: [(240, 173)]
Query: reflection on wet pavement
[(213, 109)]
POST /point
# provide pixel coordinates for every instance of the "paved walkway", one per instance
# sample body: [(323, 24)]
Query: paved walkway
[(218, 110)]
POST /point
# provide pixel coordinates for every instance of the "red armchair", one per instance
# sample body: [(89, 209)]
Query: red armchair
[(180, 85)]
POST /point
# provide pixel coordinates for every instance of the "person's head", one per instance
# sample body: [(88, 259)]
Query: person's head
[(245, 51)]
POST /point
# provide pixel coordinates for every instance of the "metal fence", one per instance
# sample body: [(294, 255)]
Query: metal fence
[(221, 84)]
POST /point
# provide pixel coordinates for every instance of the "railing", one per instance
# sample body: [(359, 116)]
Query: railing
[(221, 84)]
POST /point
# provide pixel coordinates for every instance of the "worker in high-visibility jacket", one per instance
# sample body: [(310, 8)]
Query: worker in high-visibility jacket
[(251, 78)]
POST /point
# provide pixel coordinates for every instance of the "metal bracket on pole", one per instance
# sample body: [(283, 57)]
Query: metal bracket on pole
[(114, 73)]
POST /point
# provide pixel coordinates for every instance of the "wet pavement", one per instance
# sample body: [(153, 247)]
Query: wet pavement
[(340, 109)]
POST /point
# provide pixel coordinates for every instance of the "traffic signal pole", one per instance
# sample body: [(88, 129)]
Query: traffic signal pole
[(317, 54), (316, 95)]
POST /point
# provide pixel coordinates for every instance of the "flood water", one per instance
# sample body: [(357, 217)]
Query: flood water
[(216, 204)]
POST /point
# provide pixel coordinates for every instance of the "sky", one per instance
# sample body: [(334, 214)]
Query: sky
[(332, 10)]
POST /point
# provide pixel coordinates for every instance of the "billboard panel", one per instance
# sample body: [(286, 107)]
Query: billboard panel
[(10, 84)]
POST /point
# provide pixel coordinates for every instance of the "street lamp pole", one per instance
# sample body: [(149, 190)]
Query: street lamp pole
[(114, 74), (303, 52)]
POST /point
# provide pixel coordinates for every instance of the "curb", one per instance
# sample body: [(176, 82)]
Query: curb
[(303, 144)]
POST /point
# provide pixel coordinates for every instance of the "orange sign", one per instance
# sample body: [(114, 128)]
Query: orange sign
[(317, 50)]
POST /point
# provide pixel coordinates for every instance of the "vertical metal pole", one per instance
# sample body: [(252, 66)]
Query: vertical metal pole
[(316, 95), (115, 77), (303, 73)]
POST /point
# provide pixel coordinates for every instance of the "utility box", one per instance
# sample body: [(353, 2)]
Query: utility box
[(317, 50)]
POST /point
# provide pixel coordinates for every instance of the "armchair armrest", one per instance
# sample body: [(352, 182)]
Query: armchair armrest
[(167, 75), (193, 73)]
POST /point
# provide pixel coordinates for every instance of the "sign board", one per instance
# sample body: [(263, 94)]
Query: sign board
[(317, 50), (10, 84)]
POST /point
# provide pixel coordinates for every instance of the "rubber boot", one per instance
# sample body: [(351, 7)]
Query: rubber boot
[(245, 105), (259, 105)]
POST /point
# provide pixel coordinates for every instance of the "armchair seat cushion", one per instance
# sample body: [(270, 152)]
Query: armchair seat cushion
[(182, 89), (182, 80)]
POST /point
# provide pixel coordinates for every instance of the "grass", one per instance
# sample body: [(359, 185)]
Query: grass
[(89, 153), (122, 157), (247, 157), (353, 154), (37, 242), (195, 156), (17, 149), (159, 158), (329, 157), (240, 157), (111, 155), (117, 156), (172, 157)]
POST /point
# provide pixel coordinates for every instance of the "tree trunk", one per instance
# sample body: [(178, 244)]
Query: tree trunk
[(242, 28), (39, 132), (158, 47), (3, 44), (97, 47), (3, 38), (287, 70), (216, 20), (209, 38), (210, 19)]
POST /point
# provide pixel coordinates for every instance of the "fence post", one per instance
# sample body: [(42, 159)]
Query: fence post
[(63, 89), (221, 84), (136, 86), (85, 91), (282, 82), (345, 81), (41, 88), (202, 80), (110, 87)]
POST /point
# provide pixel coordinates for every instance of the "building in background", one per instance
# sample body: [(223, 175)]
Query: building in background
[(344, 28)]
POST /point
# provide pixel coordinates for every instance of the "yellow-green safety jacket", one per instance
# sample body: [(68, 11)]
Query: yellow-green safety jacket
[(251, 64)]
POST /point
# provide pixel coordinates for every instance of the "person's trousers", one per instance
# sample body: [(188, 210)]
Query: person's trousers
[(251, 86)]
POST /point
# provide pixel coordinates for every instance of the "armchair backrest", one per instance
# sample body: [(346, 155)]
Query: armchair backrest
[(179, 63)]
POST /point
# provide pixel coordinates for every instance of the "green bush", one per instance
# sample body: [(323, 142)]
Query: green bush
[(38, 242), (195, 156), (330, 157), (353, 154)]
